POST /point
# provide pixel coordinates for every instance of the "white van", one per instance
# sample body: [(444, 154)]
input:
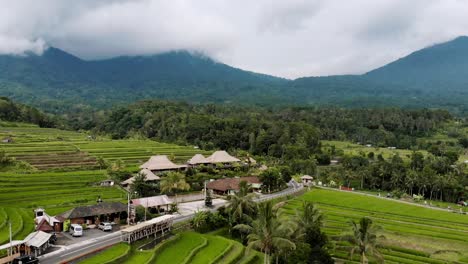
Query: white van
[(76, 230)]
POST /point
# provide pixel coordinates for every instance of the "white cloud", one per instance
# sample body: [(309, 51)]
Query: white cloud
[(286, 38)]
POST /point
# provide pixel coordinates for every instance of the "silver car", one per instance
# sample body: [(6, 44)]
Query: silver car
[(105, 226)]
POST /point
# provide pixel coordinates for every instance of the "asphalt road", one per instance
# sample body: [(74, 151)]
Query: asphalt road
[(83, 248)]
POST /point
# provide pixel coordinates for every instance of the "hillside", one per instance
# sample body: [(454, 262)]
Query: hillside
[(57, 79), (432, 77)]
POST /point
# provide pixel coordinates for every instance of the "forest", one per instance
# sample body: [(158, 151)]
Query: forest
[(290, 138)]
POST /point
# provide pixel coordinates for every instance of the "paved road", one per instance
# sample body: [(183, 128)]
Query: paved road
[(89, 246)]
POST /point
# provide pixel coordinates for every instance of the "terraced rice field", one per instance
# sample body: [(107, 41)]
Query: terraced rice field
[(188, 247), (21, 223), (413, 234), (47, 148), (109, 255), (66, 173), (54, 191)]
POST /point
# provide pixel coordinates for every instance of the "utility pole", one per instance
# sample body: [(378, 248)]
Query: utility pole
[(11, 246), (128, 212), (146, 208)]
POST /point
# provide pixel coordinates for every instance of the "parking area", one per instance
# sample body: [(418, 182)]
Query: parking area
[(65, 239)]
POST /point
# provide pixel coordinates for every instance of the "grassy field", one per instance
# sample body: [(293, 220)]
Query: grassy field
[(354, 149), (412, 234)]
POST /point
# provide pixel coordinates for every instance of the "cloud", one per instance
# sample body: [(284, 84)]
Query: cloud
[(19, 46), (285, 38)]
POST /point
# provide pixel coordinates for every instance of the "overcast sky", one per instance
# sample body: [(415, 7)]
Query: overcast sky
[(288, 38)]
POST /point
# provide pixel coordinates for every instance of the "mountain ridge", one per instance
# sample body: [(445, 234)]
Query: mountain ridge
[(420, 79)]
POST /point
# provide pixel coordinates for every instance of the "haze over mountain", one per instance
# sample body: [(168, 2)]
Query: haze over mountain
[(436, 76)]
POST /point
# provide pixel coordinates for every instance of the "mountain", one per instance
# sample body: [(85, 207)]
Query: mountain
[(435, 76), (56, 77), (440, 66)]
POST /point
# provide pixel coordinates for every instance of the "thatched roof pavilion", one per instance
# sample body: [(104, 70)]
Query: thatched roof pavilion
[(160, 163), (221, 157), (198, 159)]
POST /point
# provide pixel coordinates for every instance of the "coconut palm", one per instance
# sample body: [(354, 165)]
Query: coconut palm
[(173, 182), (309, 216), (241, 206), (364, 240), (269, 234)]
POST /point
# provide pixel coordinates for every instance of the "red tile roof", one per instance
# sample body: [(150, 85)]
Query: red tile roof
[(231, 183)]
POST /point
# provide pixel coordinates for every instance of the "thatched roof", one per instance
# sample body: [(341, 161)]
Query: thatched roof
[(198, 159), (149, 176), (231, 183), (153, 201), (307, 177), (160, 162), (93, 210), (221, 156)]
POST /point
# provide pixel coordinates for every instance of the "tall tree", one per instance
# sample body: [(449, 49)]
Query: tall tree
[(241, 207), (173, 182), (269, 234), (364, 240)]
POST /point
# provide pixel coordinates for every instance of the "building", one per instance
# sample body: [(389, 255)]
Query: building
[(7, 140), (160, 203), (149, 177), (94, 214), (198, 159), (47, 223), (38, 242), (228, 186), (307, 180), (160, 163), (107, 183), (221, 157), (35, 244)]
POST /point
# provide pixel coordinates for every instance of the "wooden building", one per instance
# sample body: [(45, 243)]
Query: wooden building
[(228, 186), (94, 214), (159, 204)]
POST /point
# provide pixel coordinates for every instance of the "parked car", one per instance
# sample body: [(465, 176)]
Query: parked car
[(105, 226), (26, 260), (76, 230)]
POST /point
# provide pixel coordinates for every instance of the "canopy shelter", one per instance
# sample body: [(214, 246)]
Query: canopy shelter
[(157, 226), (38, 242), (13, 250), (149, 176), (307, 180), (198, 159), (160, 202), (35, 243), (161, 163), (221, 156)]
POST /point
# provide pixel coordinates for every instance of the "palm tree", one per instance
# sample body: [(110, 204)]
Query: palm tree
[(241, 206), (173, 182), (309, 216), (268, 233), (364, 239)]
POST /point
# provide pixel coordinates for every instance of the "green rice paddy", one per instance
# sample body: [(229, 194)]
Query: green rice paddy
[(413, 234)]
